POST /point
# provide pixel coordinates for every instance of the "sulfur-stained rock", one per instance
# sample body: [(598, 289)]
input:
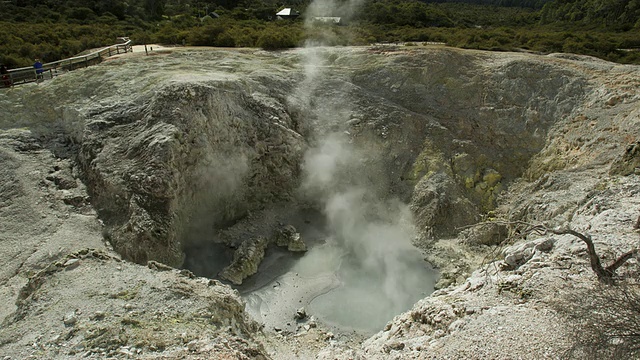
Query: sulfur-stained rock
[(246, 260), (489, 233)]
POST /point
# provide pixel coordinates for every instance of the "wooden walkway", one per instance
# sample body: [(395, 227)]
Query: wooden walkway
[(49, 70)]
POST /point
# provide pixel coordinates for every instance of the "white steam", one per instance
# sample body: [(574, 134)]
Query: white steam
[(224, 174), (322, 8), (382, 273), (373, 232)]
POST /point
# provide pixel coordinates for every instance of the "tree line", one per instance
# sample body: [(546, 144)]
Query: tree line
[(54, 29)]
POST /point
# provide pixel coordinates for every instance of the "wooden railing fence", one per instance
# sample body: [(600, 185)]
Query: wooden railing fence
[(49, 70)]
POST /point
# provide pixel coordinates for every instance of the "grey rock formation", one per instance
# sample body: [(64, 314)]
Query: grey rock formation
[(197, 153), (246, 260), (300, 314), (516, 255), (489, 233), (287, 236)]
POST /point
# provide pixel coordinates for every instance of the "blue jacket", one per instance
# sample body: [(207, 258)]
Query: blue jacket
[(38, 67)]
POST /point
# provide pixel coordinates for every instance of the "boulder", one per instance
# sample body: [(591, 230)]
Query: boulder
[(300, 314), (246, 260), (517, 255), (287, 236)]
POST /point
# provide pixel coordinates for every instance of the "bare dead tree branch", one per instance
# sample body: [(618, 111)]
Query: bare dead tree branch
[(621, 260), (522, 229), (603, 274)]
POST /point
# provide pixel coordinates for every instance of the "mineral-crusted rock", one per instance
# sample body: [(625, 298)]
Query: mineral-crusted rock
[(166, 304), (70, 319), (246, 260), (287, 236), (515, 256), (440, 207), (300, 314), (184, 153), (545, 245)]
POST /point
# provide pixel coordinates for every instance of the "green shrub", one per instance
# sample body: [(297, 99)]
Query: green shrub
[(270, 40), (226, 40), (81, 14)]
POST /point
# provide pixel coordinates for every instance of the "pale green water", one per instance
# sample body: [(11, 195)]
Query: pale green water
[(369, 296)]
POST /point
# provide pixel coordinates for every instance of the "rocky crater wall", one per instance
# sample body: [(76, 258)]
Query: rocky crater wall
[(200, 155), (168, 154)]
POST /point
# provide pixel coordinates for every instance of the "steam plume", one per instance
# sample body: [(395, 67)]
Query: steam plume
[(375, 232)]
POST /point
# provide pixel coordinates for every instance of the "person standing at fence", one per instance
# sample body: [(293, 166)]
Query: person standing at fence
[(6, 78), (38, 66)]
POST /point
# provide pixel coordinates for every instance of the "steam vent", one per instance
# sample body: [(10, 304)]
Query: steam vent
[(386, 202)]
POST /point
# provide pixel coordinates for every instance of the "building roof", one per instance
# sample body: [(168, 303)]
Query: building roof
[(287, 12)]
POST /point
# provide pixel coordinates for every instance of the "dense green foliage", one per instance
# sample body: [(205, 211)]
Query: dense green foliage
[(614, 14), (53, 29), (534, 4)]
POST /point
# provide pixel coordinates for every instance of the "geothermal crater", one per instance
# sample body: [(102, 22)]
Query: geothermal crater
[(384, 153), (389, 149), (326, 178)]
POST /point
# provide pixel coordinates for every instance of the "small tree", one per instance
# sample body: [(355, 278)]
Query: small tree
[(605, 321)]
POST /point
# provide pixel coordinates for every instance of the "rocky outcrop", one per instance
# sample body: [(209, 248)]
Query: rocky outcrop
[(126, 313), (68, 295), (288, 237), (248, 256), (246, 260), (628, 163), (197, 153), (492, 118)]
